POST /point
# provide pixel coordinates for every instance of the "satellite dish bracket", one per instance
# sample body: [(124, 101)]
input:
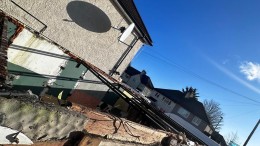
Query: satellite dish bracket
[(121, 29), (126, 32)]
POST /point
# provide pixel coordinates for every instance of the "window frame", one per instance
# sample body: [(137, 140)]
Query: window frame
[(183, 112), (196, 121)]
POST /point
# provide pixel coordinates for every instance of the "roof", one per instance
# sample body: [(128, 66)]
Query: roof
[(192, 105), (131, 10), (132, 71), (147, 81), (218, 138), (144, 78)]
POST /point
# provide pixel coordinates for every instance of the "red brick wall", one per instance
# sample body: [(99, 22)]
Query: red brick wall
[(82, 98)]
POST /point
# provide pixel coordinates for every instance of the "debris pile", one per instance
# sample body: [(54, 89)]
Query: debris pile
[(46, 123), (37, 120)]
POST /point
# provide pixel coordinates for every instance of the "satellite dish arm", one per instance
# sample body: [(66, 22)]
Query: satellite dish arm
[(122, 58), (132, 45)]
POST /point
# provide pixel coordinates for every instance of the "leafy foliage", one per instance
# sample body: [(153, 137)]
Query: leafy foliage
[(190, 93)]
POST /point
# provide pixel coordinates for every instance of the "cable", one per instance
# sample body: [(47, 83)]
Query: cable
[(241, 105), (164, 59), (243, 113)]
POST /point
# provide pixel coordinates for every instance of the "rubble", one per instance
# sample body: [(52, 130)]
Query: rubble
[(49, 124), (3, 49), (37, 120)]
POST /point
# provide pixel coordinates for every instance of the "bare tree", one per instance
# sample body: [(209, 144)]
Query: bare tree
[(214, 113), (231, 137)]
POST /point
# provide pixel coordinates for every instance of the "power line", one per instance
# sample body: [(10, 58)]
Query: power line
[(164, 59), (243, 114), (241, 104)]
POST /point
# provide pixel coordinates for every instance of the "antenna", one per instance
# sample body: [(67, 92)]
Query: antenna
[(127, 32)]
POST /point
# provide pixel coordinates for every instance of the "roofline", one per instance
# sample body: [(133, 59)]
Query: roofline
[(208, 122), (147, 39)]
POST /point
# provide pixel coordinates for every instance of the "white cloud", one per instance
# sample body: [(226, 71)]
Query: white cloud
[(233, 76), (251, 70)]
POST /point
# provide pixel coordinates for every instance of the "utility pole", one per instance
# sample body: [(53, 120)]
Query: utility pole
[(250, 135)]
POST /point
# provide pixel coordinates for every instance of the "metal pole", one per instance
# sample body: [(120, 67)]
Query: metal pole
[(250, 135), (121, 59)]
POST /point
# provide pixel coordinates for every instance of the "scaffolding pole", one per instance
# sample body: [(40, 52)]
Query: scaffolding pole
[(252, 132)]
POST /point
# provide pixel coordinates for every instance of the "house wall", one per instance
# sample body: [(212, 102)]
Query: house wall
[(162, 104), (141, 87), (73, 25), (202, 126), (125, 77), (134, 81), (76, 26), (145, 91), (35, 62), (35, 68), (94, 90)]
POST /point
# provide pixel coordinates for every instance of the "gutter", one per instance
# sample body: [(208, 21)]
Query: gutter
[(137, 28)]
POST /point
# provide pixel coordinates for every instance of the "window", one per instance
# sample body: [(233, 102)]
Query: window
[(154, 100), (184, 113), (139, 89), (157, 94), (166, 100), (196, 121)]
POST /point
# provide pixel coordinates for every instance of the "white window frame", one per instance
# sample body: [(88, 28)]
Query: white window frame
[(196, 121), (183, 112)]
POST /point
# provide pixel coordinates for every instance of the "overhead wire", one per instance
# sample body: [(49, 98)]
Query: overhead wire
[(172, 63), (241, 105), (243, 114)]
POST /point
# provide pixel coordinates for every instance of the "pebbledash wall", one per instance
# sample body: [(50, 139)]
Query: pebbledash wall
[(86, 28)]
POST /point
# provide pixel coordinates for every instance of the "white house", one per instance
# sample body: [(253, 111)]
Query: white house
[(137, 80), (177, 103), (39, 33)]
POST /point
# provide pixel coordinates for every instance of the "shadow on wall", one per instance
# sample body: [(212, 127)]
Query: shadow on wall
[(88, 16)]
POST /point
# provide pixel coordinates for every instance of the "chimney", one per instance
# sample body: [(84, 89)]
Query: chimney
[(143, 72)]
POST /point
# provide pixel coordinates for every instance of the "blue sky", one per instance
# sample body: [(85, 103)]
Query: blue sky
[(212, 45)]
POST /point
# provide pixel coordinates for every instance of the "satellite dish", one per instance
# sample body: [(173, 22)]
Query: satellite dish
[(127, 32)]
